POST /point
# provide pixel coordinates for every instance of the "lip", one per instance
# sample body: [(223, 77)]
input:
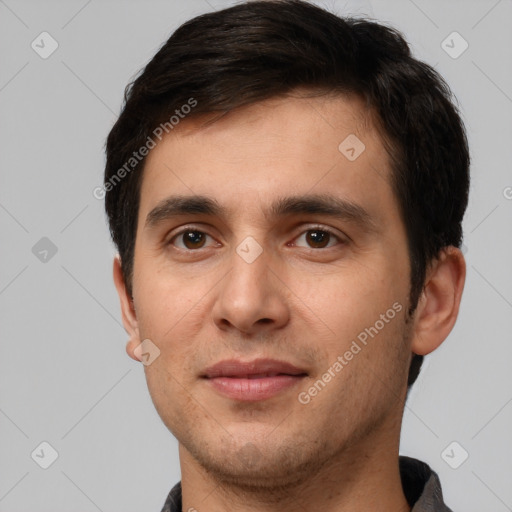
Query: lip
[(252, 381)]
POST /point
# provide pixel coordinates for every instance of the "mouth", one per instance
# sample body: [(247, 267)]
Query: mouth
[(252, 381)]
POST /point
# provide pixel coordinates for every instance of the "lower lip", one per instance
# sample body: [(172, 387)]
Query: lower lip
[(252, 390)]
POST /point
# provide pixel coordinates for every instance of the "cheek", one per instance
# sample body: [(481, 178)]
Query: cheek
[(365, 313), (165, 300), (170, 316), (171, 396), (351, 298)]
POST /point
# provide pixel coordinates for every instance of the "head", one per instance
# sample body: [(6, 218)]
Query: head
[(249, 106)]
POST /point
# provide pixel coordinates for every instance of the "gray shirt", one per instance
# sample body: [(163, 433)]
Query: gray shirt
[(421, 487)]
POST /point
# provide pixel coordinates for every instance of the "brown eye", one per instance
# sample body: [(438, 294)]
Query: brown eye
[(319, 238), (193, 239), (189, 239)]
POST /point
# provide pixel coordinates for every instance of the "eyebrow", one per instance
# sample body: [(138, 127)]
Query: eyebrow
[(312, 204)]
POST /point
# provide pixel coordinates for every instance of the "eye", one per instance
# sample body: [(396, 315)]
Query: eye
[(190, 238), (320, 238)]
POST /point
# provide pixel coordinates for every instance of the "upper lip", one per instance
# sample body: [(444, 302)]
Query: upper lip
[(236, 368)]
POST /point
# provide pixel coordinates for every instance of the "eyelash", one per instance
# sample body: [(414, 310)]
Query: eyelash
[(313, 228)]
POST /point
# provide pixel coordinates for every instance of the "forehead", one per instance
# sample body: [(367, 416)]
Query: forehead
[(257, 153)]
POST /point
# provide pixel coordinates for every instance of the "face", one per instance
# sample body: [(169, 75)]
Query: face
[(298, 267)]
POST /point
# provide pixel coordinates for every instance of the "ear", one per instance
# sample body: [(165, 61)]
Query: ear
[(127, 310), (439, 303)]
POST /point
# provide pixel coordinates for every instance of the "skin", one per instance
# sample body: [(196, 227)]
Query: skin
[(296, 302)]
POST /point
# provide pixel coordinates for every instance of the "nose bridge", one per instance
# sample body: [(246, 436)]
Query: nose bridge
[(250, 297), (249, 277)]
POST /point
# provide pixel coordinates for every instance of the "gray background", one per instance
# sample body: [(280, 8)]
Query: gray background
[(64, 375)]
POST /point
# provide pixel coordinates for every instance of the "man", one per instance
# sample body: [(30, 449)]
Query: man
[(286, 190)]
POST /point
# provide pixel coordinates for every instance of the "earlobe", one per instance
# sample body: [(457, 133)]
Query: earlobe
[(439, 303), (128, 313)]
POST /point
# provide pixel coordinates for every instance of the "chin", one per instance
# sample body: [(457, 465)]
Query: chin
[(253, 469)]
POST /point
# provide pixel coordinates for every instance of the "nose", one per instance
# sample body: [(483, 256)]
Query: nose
[(251, 297)]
